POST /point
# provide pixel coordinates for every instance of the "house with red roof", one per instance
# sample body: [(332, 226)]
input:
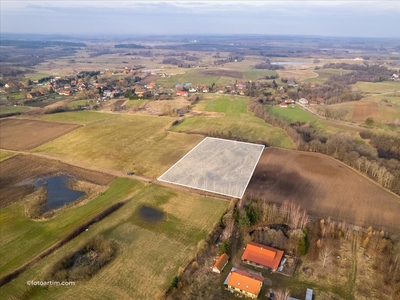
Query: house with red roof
[(263, 256), (181, 93), (243, 282), (220, 264), (283, 104)]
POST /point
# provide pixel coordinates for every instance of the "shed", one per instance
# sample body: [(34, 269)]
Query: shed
[(220, 264)]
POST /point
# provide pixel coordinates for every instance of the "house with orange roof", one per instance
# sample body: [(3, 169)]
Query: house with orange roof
[(262, 256), (181, 93), (220, 264), (243, 282), (150, 85)]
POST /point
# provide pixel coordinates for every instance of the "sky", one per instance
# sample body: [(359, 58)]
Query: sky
[(110, 17)]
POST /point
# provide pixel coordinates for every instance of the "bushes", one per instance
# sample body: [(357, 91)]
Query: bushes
[(84, 263), (34, 206)]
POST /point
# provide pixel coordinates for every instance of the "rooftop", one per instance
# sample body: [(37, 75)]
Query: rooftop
[(262, 255)]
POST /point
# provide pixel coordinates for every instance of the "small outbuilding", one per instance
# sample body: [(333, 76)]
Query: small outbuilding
[(220, 264), (283, 104)]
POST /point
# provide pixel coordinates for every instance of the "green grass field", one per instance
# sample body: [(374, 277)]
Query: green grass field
[(377, 87), (235, 119), (5, 154), (77, 103), (134, 103), (13, 109), (292, 114), (79, 117), (121, 142), (193, 76), (36, 76), (149, 254), (254, 74), (23, 239), (324, 74)]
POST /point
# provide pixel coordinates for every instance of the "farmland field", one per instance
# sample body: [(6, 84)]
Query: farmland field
[(5, 154), (121, 142), (20, 168), (23, 134), (13, 109), (364, 110), (78, 117), (292, 114), (149, 254), (232, 116), (77, 103), (324, 187), (377, 87)]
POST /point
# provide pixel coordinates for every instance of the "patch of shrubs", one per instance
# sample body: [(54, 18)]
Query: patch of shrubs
[(84, 263)]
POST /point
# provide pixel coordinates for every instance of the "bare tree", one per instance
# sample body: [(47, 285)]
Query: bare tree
[(325, 256), (282, 294)]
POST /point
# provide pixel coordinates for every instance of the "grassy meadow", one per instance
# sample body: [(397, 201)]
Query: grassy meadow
[(233, 117), (292, 114), (5, 154), (82, 117), (13, 109), (77, 103), (135, 143), (377, 87), (148, 256)]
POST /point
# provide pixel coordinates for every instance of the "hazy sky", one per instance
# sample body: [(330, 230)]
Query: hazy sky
[(104, 17)]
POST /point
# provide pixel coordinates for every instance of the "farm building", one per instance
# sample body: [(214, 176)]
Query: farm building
[(220, 263), (65, 92), (181, 93), (289, 101), (303, 101), (32, 95), (283, 104), (205, 90), (243, 282), (262, 256)]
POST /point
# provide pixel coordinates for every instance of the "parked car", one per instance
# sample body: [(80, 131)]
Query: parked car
[(129, 173)]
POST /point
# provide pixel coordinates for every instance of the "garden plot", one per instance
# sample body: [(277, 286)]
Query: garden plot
[(216, 165)]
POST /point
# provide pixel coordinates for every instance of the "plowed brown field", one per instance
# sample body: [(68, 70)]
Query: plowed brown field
[(24, 134), (20, 168), (324, 187)]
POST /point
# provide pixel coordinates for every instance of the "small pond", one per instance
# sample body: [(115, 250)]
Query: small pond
[(58, 192), (151, 214)]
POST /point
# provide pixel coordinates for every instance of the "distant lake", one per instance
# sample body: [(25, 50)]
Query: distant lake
[(291, 63), (58, 192)]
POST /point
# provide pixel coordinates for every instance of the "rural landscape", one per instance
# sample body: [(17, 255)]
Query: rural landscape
[(199, 167)]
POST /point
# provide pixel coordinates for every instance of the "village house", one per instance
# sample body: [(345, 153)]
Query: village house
[(65, 92), (243, 282), (205, 90), (263, 256), (32, 95), (192, 90), (283, 104), (220, 264), (289, 101), (150, 85), (181, 93)]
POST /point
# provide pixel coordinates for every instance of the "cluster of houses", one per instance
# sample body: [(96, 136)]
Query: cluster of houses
[(248, 283)]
